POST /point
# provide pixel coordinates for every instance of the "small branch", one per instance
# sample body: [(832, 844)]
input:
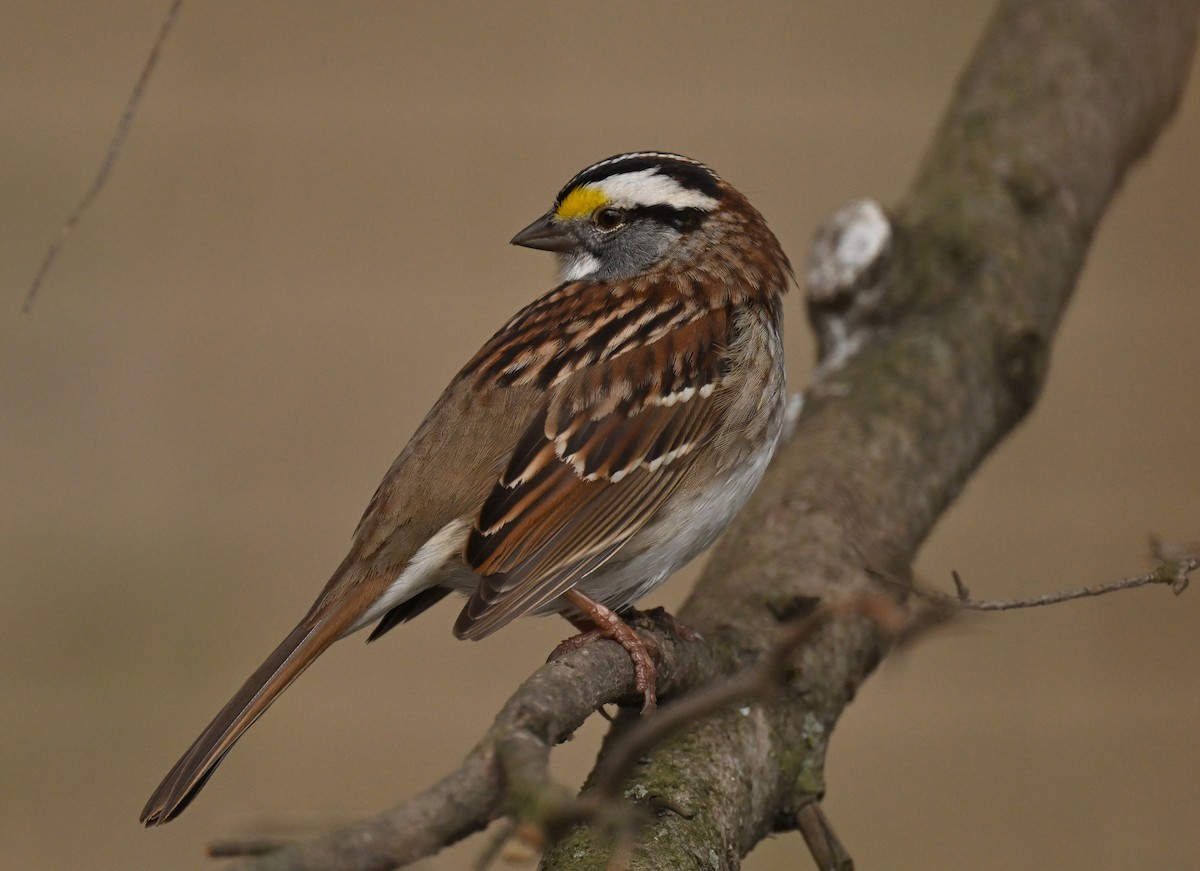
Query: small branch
[(110, 157), (827, 851), (542, 809), (229, 848), (495, 847), (1172, 573)]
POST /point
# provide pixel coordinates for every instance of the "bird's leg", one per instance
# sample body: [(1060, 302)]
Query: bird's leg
[(587, 634), (601, 622)]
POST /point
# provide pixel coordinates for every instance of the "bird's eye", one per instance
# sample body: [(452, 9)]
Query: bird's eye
[(609, 219)]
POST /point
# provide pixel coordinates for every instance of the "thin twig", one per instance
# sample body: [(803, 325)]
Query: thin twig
[(1173, 574), (827, 850), (110, 157), (495, 845)]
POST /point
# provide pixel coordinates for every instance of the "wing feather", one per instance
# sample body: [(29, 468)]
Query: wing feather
[(609, 447)]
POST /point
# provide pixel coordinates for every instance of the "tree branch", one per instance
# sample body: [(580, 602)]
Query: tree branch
[(938, 346), (506, 770), (1172, 574)]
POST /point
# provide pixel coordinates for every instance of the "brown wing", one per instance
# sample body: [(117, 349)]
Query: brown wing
[(607, 449)]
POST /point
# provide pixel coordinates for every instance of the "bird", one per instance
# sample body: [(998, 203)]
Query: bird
[(603, 437)]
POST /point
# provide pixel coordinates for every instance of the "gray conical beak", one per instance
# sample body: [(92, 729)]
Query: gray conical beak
[(545, 234)]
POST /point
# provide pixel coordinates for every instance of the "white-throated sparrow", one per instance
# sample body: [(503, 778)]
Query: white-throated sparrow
[(601, 439)]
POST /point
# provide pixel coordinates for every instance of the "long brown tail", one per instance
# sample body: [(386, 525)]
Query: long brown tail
[(304, 644)]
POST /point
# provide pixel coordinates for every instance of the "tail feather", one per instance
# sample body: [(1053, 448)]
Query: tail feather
[(296, 652)]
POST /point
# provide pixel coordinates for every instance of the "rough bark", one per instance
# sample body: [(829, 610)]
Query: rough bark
[(931, 354), (1059, 101)]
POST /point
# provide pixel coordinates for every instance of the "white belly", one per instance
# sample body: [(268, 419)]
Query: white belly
[(684, 533)]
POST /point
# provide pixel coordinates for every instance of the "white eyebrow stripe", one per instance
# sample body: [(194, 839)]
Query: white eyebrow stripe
[(647, 187)]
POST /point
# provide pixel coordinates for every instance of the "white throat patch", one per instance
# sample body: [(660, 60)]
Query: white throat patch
[(580, 266)]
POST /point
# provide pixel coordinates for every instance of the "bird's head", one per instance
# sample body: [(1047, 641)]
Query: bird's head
[(622, 216)]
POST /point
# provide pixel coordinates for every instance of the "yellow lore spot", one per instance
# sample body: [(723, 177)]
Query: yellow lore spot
[(580, 202)]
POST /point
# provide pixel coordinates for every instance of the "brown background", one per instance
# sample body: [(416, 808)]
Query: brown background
[(306, 235)]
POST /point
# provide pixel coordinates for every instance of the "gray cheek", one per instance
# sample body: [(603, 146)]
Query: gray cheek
[(621, 255), (634, 250)]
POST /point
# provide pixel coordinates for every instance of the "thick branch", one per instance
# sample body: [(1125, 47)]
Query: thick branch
[(505, 771), (1057, 104)]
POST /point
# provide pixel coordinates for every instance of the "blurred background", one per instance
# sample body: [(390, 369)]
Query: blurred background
[(306, 235)]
